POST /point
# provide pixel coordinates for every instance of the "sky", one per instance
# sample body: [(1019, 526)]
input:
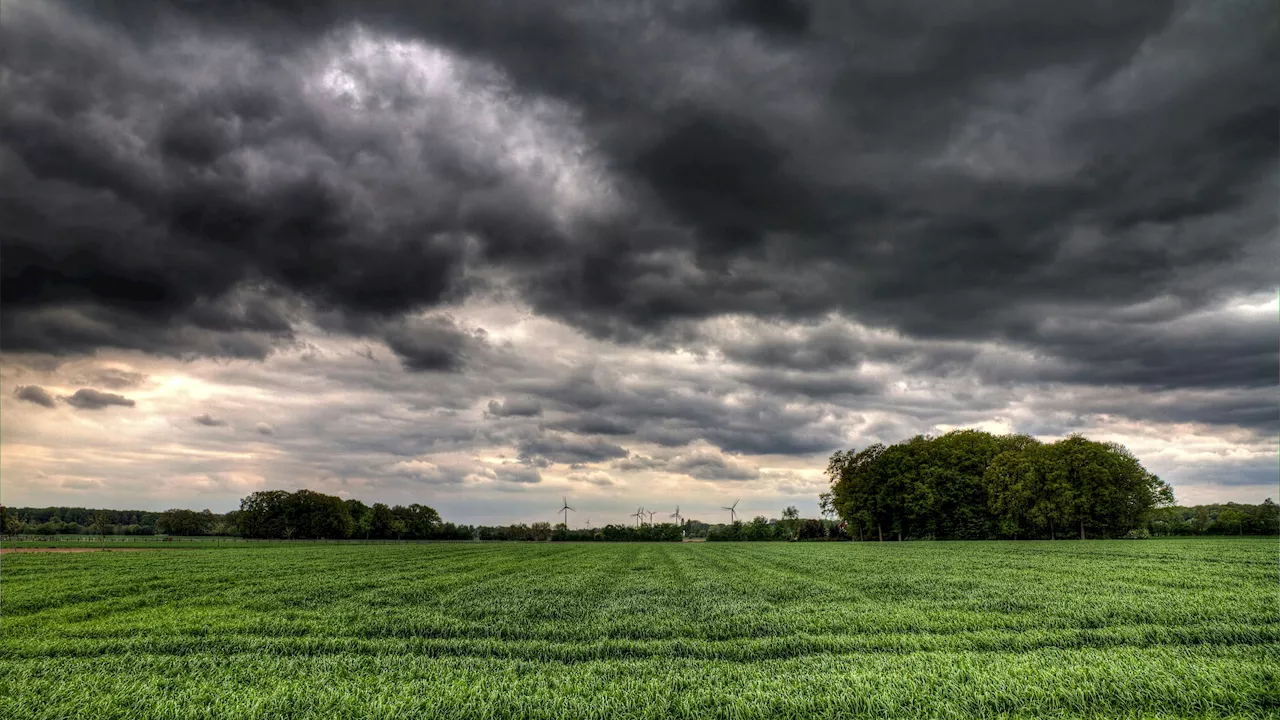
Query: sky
[(487, 255)]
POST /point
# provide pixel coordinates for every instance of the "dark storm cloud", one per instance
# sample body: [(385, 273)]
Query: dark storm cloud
[(823, 349), (676, 410), (552, 448), (34, 394), (990, 172), (208, 420), (514, 407), (432, 344), (591, 424), (710, 466), (788, 17), (90, 399)]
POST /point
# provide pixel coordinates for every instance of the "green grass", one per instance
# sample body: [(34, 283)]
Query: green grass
[(947, 630)]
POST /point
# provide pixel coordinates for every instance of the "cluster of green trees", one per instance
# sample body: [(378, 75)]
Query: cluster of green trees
[(970, 484), (1228, 519), (89, 521), (306, 514), (192, 523), (545, 531), (791, 528)]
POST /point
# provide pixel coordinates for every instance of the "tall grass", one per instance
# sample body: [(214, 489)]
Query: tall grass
[(1080, 629)]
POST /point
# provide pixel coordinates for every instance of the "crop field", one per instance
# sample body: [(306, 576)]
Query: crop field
[(1164, 629)]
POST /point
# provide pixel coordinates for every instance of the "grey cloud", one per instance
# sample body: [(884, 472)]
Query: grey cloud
[(591, 424), (432, 344), (515, 407), (966, 175), (113, 378), (566, 449), (208, 420), (636, 463), (597, 478), (675, 410), (519, 474), (264, 429), (824, 349), (90, 399), (705, 465), (34, 394)]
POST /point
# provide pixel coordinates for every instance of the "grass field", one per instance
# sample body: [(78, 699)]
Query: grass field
[(1187, 628)]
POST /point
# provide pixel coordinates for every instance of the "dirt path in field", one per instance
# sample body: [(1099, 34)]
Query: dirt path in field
[(6, 551)]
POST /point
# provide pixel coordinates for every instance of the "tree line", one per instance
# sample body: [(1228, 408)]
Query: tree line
[(91, 521), (953, 486), (970, 484), (1216, 519), (306, 514)]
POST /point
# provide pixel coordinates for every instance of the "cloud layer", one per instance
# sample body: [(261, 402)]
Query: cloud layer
[(518, 245)]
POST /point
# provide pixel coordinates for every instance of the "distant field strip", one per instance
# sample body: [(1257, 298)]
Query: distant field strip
[(1184, 628)]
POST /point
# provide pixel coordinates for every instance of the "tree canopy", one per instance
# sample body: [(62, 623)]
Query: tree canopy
[(307, 514), (970, 484)]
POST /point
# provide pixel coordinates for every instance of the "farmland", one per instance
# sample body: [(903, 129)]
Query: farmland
[(1178, 628)]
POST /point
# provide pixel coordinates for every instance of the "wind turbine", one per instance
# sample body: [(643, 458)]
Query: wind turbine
[(651, 513), (676, 515), (733, 514), (566, 510), (638, 515)]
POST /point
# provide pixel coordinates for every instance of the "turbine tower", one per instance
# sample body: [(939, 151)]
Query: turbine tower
[(676, 515), (638, 515), (733, 514), (650, 513), (566, 510)]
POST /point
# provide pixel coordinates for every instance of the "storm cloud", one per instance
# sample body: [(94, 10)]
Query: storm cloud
[(34, 394), (90, 399), (662, 238)]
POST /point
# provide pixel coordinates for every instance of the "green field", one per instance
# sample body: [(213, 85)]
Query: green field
[(1187, 628)]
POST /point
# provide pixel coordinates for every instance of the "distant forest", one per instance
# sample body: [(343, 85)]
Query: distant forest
[(1201, 520), (970, 484), (963, 485)]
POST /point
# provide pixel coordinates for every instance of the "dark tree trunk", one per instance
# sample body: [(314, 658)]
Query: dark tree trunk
[(899, 536), (1052, 535), (1082, 529), (880, 528)]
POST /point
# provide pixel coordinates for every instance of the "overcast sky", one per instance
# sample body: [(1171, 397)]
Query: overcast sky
[(486, 254)]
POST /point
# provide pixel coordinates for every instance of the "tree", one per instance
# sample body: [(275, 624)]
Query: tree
[(853, 488), (1270, 514), (789, 526), (101, 525), (1013, 488), (1232, 519), (971, 484), (309, 514), (420, 521), (185, 522), (262, 514)]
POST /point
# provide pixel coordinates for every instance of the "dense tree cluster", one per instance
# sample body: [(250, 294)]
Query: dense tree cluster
[(761, 529), (306, 514), (85, 521), (1228, 519), (191, 523), (970, 484)]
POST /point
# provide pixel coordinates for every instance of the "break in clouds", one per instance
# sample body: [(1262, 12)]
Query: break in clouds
[(485, 254)]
